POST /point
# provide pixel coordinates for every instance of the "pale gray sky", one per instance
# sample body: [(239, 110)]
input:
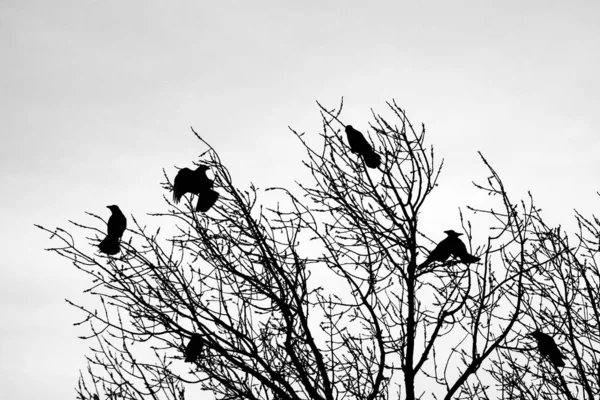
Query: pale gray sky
[(96, 97)]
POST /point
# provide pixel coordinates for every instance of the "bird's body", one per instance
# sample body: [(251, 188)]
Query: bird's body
[(459, 250), (358, 144), (441, 253), (117, 223), (110, 246), (194, 348), (450, 246), (548, 348), (195, 182)]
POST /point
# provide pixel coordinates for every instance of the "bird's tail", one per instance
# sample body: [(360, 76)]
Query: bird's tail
[(206, 200), (468, 259), (176, 196), (110, 245), (557, 360), (372, 159)]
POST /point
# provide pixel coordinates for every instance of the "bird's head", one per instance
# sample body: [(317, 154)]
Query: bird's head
[(349, 128), (196, 337), (536, 334), (202, 168), (451, 233), (112, 208)]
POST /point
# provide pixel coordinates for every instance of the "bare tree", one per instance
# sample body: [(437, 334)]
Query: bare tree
[(320, 296), (562, 299)]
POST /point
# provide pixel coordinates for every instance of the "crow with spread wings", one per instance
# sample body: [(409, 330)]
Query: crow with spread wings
[(195, 182)]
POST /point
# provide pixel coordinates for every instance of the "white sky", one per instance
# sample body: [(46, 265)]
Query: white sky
[(96, 97)]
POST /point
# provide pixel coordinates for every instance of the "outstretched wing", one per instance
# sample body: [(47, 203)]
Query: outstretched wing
[(206, 200), (183, 183)]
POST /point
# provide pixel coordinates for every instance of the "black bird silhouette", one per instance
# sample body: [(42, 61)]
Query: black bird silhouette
[(115, 228), (194, 348), (450, 246), (548, 348), (358, 144), (195, 182)]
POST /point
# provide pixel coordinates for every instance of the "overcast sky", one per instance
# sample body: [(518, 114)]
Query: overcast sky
[(96, 97)]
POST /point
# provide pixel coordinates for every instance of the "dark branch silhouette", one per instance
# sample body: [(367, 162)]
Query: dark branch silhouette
[(198, 183), (117, 223)]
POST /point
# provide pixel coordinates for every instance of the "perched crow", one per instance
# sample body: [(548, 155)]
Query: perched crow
[(195, 182), (115, 228), (548, 348), (358, 144), (194, 348), (450, 246)]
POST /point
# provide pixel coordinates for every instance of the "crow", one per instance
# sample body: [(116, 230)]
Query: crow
[(194, 348), (548, 348), (195, 182), (450, 246), (115, 228), (358, 144)]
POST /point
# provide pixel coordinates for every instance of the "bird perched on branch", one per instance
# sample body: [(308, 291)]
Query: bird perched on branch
[(358, 144), (115, 227), (194, 348), (195, 182), (450, 246), (548, 348)]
